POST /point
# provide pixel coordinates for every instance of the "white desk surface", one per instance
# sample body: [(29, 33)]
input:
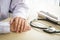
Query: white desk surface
[(33, 34)]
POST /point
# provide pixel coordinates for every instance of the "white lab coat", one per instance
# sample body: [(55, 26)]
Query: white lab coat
[(17, 7)]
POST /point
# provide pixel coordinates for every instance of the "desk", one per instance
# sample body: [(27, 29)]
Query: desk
[(33, 34)]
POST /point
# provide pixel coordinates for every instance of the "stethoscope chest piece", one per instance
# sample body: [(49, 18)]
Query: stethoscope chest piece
[(51, 30)]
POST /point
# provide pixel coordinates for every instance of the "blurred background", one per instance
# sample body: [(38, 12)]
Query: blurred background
[(51, 6)]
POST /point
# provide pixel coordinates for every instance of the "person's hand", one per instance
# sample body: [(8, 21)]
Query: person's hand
[(19, 24)]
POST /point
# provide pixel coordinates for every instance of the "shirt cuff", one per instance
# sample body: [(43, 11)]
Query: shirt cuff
[(4, 27)]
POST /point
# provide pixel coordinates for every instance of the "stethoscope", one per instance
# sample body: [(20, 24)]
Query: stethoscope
[(49, 29)]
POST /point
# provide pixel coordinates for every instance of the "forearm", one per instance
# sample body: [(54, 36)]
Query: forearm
[(19, 8), (4, 27), (20, 11)]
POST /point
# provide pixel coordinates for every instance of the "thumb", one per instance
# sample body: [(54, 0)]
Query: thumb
[(11, 21)]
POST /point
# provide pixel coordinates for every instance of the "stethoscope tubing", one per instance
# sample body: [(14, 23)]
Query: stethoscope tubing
[(43, 28)]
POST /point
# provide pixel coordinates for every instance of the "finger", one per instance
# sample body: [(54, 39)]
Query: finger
[(19, 26), (16, 23), (28, 28), (22, 25), (11, 21), (12, 27), (24, 29)]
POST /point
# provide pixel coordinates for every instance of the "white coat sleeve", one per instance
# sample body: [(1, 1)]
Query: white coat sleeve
[(4, 27), (19, 9)]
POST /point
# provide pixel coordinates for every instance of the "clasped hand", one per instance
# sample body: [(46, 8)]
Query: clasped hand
[(19, 24)]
